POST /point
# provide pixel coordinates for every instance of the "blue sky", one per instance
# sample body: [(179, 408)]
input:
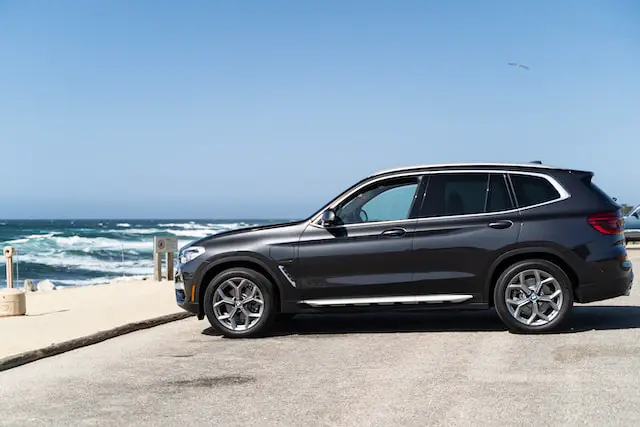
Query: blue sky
[(267, 109)]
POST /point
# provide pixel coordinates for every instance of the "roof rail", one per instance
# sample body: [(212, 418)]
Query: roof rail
[(535, 164)]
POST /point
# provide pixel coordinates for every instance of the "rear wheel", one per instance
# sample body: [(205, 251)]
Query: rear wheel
[(239, 302), (533, 296)]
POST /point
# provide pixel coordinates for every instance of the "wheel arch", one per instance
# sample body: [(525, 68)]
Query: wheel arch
[(251, 262), (504, 261)]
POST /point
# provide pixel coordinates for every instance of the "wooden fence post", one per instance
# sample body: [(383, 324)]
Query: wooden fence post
[(170, 266), (163, 245), (8, 254)]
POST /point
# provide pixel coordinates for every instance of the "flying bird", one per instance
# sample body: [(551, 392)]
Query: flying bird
[(515, 64)]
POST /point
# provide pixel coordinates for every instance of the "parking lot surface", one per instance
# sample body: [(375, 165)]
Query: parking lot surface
[(433, 369)]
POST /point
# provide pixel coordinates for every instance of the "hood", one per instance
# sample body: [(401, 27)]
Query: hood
[(242, 230)]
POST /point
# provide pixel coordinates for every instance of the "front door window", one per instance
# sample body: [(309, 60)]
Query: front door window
[(389, 200)]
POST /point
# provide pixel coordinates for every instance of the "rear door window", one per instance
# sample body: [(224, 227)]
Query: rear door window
[(465, 193), (455, 194), (532, 190)]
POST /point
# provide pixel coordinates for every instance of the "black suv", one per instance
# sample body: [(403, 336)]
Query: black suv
[(527, 239)]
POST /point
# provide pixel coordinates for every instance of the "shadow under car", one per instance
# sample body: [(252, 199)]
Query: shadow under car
[(584, 318)]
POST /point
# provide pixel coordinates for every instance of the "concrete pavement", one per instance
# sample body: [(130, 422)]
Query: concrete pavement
[(436, 369)]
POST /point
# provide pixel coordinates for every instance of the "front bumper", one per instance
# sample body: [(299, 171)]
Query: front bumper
[(185, 298)]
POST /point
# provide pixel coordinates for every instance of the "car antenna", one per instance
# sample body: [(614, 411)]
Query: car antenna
[(537, 162)]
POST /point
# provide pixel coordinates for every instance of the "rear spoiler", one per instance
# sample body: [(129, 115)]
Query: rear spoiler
[(586, 177)]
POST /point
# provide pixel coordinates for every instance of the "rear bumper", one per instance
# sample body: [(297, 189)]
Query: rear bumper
[(590, 292)]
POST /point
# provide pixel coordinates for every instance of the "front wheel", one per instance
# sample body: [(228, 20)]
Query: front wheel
[(533, 296), (239, 303)]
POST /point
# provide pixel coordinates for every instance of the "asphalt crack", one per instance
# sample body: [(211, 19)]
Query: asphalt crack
[(211, 382)]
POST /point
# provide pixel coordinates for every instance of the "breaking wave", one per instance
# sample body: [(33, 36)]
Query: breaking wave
[(88, 252)]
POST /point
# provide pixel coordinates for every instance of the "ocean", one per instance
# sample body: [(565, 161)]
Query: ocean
[(86, 252)]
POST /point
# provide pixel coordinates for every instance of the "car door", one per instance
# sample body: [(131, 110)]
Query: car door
[(465, 221), (367, 252)]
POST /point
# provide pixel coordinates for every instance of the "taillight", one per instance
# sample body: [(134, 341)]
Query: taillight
[(607, 222)]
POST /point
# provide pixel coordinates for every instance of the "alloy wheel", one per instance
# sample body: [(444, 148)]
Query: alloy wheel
[(534, 297), (238, 304)]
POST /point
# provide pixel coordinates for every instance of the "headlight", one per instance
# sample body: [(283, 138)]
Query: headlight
[(191, 253)]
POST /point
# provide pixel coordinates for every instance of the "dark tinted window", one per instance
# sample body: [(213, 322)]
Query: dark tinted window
[(455, 194), (531, 190), (498, 198)]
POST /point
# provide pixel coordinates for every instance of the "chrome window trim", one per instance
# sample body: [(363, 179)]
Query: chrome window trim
[(564, 194)]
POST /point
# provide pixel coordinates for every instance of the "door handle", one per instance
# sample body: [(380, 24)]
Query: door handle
[(501, 224), (394, 232)]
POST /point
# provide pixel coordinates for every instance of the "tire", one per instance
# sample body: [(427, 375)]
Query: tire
[(237, 275), (554, 318)]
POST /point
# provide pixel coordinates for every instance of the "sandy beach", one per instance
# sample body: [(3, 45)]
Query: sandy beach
[(74, 312)]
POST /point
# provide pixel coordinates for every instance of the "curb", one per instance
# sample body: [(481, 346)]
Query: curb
[(58, 348)]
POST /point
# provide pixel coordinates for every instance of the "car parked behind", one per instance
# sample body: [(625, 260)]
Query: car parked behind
[(632, 225)]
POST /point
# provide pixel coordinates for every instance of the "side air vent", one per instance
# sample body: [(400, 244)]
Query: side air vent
[(287, 275)]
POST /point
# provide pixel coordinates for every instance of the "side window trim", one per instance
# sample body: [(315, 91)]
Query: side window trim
[(422, 189), (511, 189), (418, 197), (507, 186), (424, 176), (486, 191)]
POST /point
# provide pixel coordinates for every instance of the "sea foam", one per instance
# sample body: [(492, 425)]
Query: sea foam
[(88, 252)]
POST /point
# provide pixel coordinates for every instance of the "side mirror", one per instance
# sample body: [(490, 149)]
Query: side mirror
[(636, 214), (328, 218)]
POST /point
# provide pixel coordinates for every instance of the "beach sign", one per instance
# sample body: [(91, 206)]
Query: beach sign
[(165, 244)]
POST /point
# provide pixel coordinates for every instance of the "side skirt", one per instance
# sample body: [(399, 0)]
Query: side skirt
[(378, 301)]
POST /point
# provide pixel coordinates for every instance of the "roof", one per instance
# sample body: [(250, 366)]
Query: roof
[(532, 165)]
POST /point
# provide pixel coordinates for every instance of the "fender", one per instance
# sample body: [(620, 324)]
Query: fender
[(239, 256), (547, 249)]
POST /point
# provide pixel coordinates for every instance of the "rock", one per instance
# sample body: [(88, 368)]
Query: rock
[(29, 286), (46, 285)]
